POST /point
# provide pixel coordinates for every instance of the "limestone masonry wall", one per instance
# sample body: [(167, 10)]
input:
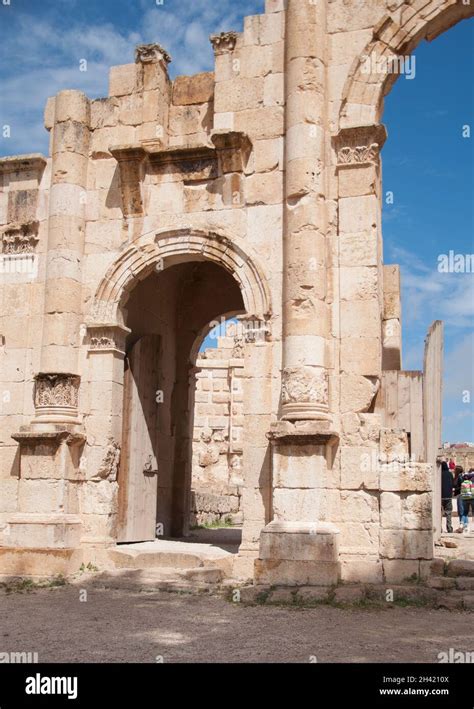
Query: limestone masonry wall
[(253, 190)]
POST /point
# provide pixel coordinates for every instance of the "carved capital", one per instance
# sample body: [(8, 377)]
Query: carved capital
[(223, 42), (56, 391), (107, 338), (151, 54), (20, 238), (360, 145), (304, 393)]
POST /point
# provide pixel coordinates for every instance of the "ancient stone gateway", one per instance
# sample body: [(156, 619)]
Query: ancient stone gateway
[(252, 191)]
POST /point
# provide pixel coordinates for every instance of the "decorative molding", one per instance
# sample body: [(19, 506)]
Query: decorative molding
[(102, 337), (302, 432), (238, 349), (195, 162), (20, 238), (358, 154), (224, 42), (56, 390), (360, 145), (151, 54), (22, 163)]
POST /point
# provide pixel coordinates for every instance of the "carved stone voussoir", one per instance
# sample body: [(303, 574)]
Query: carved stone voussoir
[(151, 54), (223, 42), (56, 390)]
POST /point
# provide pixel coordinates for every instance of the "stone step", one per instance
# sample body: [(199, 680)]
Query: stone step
[(462, 583), (460, 567), (162, 579), (174, 555)]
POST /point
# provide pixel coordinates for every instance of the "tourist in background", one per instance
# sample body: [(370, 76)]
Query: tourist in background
[(458, 478), (447, 495), (467, 496)]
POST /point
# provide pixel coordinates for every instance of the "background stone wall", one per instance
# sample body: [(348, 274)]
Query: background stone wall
[(217, 474)]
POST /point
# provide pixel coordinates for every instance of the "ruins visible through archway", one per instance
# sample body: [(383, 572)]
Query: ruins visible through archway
[(165, 314)]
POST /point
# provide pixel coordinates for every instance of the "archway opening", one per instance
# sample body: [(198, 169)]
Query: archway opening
[(428, 223), (216, 512), (166, 313)]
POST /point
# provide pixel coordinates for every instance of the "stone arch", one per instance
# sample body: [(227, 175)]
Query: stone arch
[(167, 247), (363, 93)]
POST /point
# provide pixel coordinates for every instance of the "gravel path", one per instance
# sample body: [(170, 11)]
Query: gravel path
[(122, 626)]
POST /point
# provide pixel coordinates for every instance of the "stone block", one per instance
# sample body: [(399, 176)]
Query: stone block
[(125, 79), (361, 355), (410, 477), (296, 573), (460, 567), (198, 88), (358, 468), (299, 542), (361, 569), (357, 392), (359, 283), (361, 316), (406, 544), (400, 570)]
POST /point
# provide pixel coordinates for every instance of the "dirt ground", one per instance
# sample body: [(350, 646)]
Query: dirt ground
[(123, 626)]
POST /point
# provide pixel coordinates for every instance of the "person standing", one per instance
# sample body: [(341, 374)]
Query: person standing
[(458, 478), (467, 495), (447, 495)]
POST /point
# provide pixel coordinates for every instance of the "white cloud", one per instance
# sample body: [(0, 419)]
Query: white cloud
[(430, 295), (51, 62)]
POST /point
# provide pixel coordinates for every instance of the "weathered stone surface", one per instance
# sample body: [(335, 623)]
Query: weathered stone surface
[(188, 90), (251, 192), (459, 567)]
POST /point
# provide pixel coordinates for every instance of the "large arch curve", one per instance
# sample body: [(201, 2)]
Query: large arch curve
[(163, 248), (363, 93)]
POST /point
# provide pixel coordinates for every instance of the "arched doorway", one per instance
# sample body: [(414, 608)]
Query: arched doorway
[(360, 141), (165, 313), (163, 292)]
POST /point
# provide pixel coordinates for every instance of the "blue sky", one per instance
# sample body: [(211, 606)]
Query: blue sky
[(427, 164)]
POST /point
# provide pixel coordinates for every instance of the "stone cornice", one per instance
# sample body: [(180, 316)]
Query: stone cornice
[(22, 163)]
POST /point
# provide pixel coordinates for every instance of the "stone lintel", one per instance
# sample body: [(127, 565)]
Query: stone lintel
[(316, 432), (359, 145), (22, 163)]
